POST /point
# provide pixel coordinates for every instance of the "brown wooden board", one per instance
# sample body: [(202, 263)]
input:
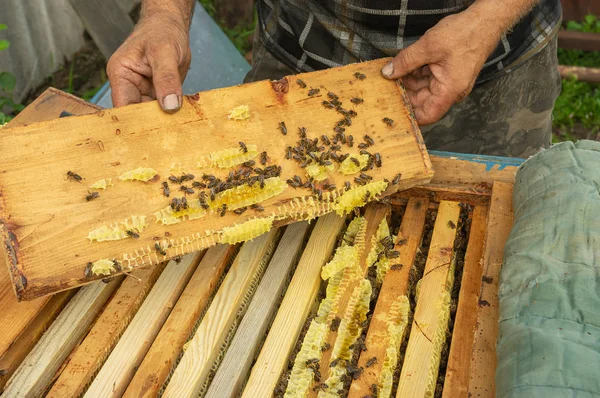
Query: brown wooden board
[(46, 220)]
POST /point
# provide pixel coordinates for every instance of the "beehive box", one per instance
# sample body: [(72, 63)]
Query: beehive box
[(87, 197), (233, 319)]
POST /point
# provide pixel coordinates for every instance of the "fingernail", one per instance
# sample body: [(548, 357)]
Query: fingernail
[(171, 102), (388, 70)]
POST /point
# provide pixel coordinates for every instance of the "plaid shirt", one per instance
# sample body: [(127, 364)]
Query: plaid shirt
[(309, 35)]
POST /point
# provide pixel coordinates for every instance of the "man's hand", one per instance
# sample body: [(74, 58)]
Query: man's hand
[(440, 68), (154, 60)]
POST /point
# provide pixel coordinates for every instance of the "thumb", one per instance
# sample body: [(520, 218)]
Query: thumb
[(166, 79), (407, 60)]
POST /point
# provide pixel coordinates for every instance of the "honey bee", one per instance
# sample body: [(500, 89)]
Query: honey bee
[(91, 196), (73, 176), (223, 210), (355, 161), (240, 210), (328, 104), (396, 267), (357, 101), (87, 272), (313, 91), (166, 190), (263, 158), (186, 190), (350, 141), (371, 362), (257, 207), (396, 179), (186, 177), (451, 225), (302, 132), (243, 147), (283, 128), (301, 83), (369, 140), (335, 324), (160, 249), (388, 121), (377, 157), (174, 179), (360, 76), (133, 234), (184, 203), (347, 185)]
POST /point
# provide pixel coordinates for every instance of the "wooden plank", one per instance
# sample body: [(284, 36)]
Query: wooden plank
[(456, 382), (117, 371), (571, 40), (395, 285), (167, 346), (35, 373), (105, 21), (421, 360), (589, 75), (89, 356), (19, 348), (115, 141), (295, 307), (474, 195), (472, 171), (374, 214), (483, 361), (234, 369), (15, 317), (230, 301)]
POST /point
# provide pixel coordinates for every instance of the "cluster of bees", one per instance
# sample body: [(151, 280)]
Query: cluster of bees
[(76, 177)]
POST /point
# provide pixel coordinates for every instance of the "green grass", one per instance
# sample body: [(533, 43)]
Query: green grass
[(239, 35), (579, 102)]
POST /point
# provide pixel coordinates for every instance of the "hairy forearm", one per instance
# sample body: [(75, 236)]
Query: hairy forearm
[(500, 16), (179, 10)]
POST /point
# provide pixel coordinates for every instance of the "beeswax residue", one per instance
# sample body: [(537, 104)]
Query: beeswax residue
[(350, 166), (118, 231), (103, 267), (140, 174), (229, 157), (102, 184), (241, 112), (247, 230)]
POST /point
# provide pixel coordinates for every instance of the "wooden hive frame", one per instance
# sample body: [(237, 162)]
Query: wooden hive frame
[(483, 183)]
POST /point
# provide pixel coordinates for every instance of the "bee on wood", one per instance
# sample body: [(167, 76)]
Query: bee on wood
[(320, 387), (132, 233), (249, 163), (313, 91), (396, 267), (198, 184), (257, 207), (359, 181), (166, 190), (177, 259), (336, 147), (160, 249), (369, 140), (301, 83), (392, 254), (374, 389), (328, 186), (243, 147), (451, 225), (312, 361), (328, 105), (347, 185), (362, 145), (288, 152), (350, 141), (360, 76), (352, 113), (184, 203), (186, 177), (334, 363), (91, 196), (302, 132), (354, 372), (240, 210), (367, 196), (117, 266), (357, 101), (396, 179), (73, 176), (212, 194), (263, 158), (174, 179), (335, 324), (292, 183), (325, 140), (325, 347), (206, 177), (186, 190), (332, 96), (283, 128), (223, 210), (87, 272), (365, 177), (347, 121), (355, 161), (388, 121), (371, 362), (377, 158), (175, 205)]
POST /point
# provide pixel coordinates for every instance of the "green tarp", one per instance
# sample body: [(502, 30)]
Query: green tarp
[(549, 327)]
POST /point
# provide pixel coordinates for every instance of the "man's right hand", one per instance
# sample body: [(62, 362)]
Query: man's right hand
[(153, 62)]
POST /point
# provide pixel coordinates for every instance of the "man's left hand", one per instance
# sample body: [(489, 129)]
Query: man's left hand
[(440, 68)]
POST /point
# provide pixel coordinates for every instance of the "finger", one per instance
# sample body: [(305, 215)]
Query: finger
[(413, 83), (165, 76), (432, 109), (412, 57)]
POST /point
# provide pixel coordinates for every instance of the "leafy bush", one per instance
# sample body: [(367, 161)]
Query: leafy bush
[(7, 85)]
